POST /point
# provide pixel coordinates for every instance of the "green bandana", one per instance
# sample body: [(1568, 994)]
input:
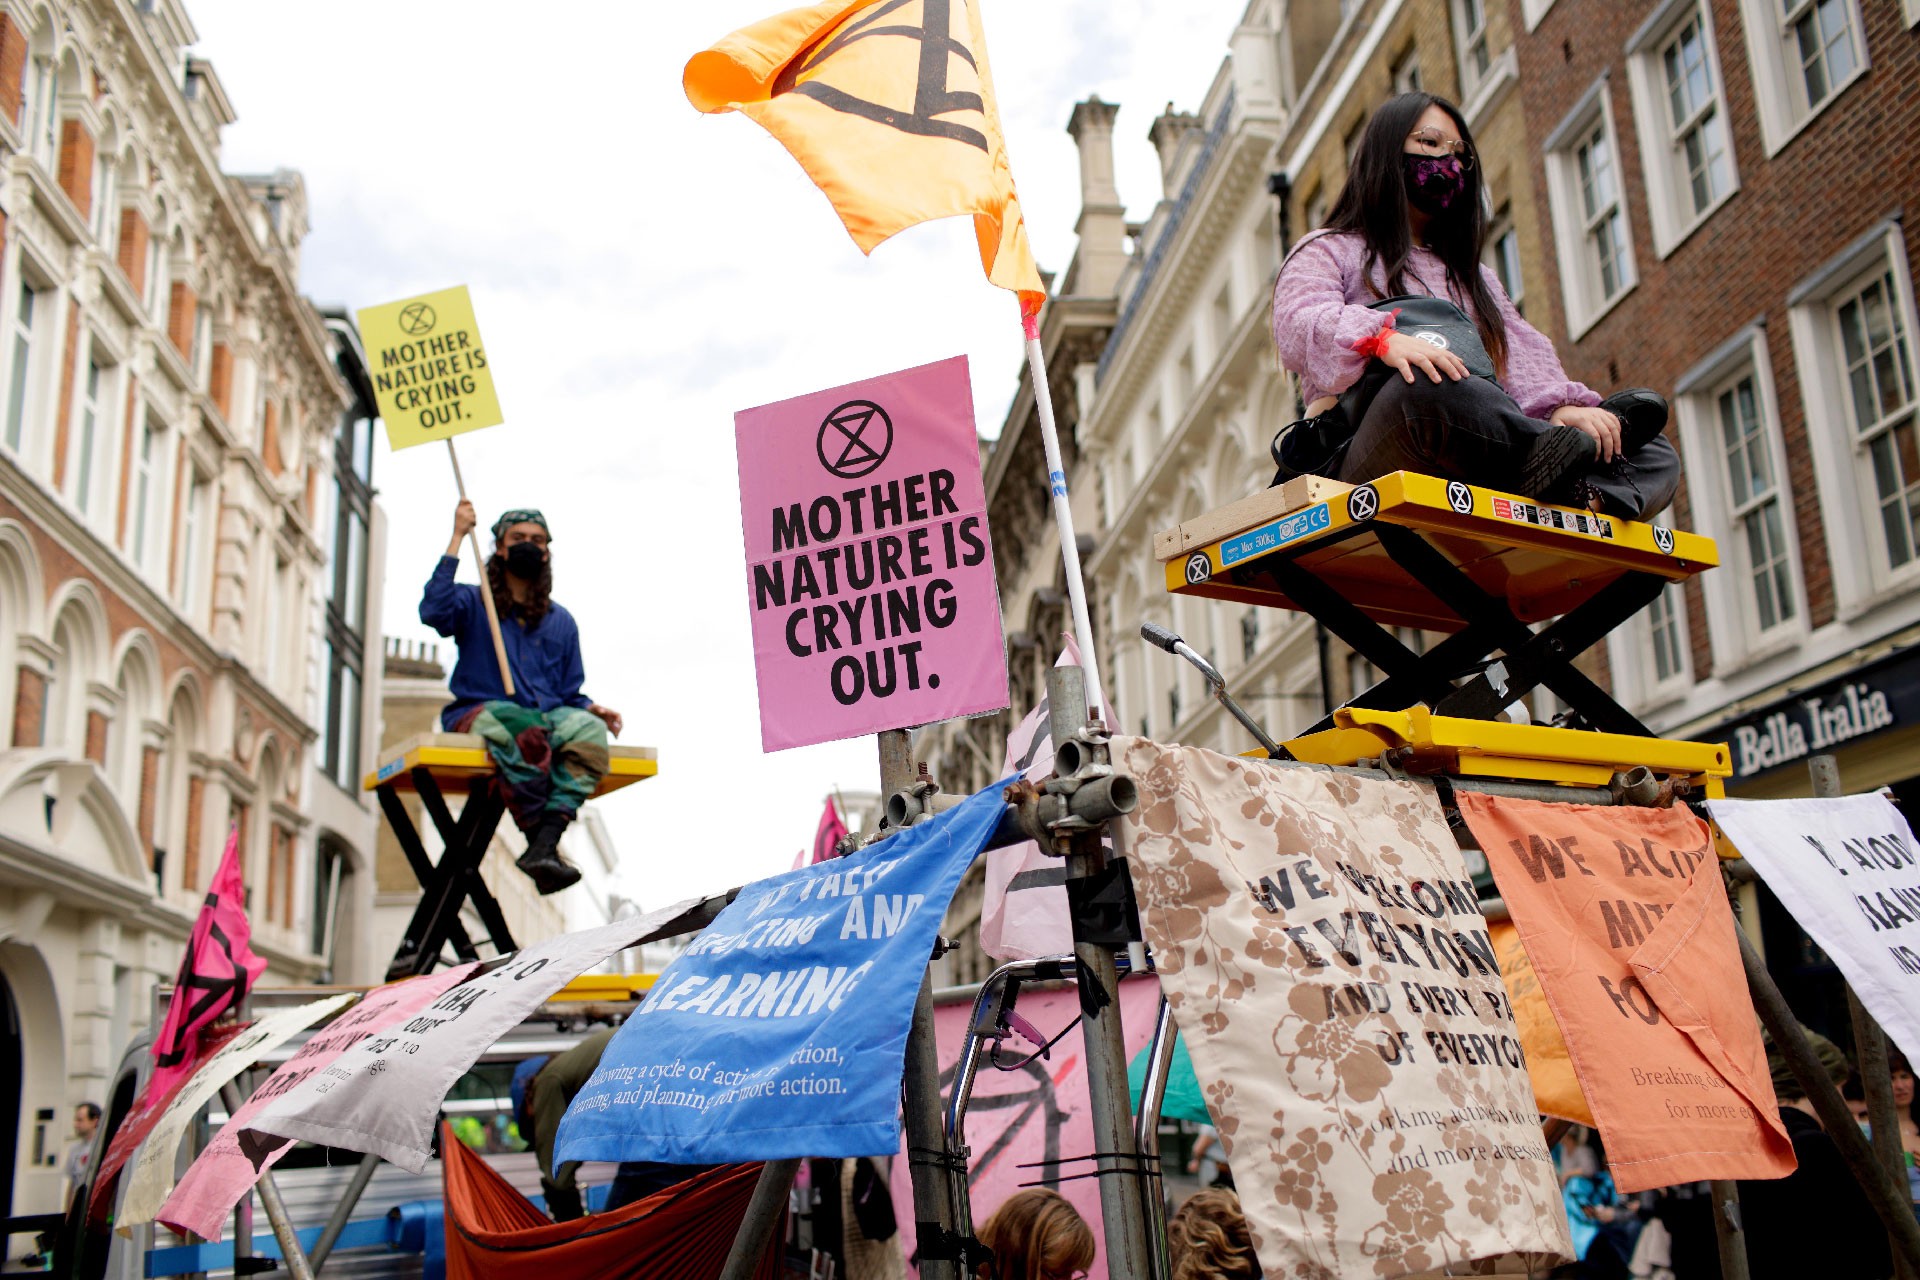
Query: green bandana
[(522, 515)]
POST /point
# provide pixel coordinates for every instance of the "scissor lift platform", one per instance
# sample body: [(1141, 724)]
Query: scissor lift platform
[(1419, 742), (1480, 566), (426, 766), (461, 757)]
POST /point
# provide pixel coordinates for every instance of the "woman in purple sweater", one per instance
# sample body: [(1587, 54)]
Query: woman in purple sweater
[(1412, 219)]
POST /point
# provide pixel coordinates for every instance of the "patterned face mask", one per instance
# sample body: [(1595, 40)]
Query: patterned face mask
[(1433, 182)]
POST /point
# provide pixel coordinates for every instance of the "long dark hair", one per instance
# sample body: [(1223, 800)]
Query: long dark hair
[(1373, 206), (539, 596)]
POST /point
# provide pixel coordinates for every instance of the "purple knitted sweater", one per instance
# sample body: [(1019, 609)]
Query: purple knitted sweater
[(1320, 312)]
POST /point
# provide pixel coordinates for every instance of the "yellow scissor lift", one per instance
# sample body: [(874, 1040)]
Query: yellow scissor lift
[(1481, 567), (427, 766)]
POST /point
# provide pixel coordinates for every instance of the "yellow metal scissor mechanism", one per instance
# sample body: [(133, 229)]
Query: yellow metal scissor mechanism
[(1479, 566)]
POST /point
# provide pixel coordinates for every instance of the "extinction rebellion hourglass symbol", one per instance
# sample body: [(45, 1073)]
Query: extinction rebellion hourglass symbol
[(854, 439), (417, 318)]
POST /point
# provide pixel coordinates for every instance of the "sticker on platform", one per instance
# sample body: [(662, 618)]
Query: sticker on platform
[(1459, 497), (1269, 537), (1663, 539), (1199, 568), (1363, 503), (1554, 518)]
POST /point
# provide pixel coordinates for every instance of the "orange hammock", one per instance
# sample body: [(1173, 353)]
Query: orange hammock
[(685, 1231)]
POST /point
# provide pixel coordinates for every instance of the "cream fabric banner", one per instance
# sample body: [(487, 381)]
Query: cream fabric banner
[(383, 1095), (153, 1167), (1324, 953)]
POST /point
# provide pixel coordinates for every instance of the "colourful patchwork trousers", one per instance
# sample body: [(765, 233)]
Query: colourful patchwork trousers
[(548, 762)]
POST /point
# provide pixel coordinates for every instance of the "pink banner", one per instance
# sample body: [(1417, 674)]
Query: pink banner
[(869, 570), (239, 1154), (1036, 1113)]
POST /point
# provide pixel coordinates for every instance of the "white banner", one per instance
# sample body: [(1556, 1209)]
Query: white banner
[(383, 1095), (151, 1178), (1849, 872), (1023, 909)]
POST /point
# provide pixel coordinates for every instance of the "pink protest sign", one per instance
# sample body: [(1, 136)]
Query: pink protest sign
[(1037, 1113), (869, 571)]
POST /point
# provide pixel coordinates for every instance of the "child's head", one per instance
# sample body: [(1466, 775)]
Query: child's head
[(1207, 1239), (1036, 1235)]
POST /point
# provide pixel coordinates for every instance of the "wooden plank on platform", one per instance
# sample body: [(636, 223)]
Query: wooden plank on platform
[(1237, 517)]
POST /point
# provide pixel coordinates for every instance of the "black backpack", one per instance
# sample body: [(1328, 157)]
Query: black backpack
[(1317, 446)]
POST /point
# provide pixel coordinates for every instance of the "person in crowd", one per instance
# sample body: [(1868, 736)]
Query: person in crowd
[(542, 1089), (549, 741), (1207, 1238), (1036, 1235), (1855, 1094), (86, 1120), (852, 1217), (1205, 1161), (1603, 1225), (1412, 220), (1816, 1221)]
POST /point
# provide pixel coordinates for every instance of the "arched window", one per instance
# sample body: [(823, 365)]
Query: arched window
[(177, 818), (74, 650), (332, 872), (40, 110)]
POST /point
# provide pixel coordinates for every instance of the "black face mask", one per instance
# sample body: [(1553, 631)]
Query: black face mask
[(526, 561), (1434, 183)]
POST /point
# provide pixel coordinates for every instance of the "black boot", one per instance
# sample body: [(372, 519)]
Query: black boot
[(1642, 414), (1552, 470), (542, 862)]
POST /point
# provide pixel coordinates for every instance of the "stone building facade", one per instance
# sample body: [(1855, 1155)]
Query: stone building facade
[(188, 558)]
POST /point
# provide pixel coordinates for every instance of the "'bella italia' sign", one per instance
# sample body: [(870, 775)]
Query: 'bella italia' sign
[(1859, 704)]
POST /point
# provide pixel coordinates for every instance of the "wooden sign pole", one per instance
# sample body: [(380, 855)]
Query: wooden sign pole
[(486, 587)]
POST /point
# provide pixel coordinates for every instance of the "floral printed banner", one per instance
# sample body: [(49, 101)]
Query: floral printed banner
[(1326, 960)]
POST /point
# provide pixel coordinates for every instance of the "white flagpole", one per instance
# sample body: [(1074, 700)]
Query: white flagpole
[(1063, 517)]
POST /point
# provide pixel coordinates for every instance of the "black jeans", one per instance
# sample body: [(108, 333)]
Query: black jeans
[(1473, 431)]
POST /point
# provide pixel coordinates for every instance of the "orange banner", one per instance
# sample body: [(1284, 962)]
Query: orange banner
[(1631, 936), (1556, 1089)]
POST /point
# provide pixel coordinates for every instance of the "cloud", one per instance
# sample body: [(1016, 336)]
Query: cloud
[(641, 272)]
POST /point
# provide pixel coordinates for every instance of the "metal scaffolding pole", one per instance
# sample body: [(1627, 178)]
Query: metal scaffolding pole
[(1116, 1158)]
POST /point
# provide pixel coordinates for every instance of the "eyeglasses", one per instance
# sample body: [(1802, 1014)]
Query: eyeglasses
[(1436, 143)]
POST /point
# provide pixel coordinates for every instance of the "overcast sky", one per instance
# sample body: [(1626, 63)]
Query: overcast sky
[(640, 272)]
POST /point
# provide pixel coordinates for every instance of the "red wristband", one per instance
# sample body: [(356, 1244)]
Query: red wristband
[(1376, 344)]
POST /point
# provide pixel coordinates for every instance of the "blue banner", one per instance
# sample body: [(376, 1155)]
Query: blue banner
[(782, 1030)]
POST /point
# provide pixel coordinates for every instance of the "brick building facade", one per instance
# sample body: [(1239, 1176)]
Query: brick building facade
[(188, 559), (1728, 224)]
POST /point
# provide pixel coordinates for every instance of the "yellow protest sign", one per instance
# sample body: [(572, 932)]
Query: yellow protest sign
[(429, 367)]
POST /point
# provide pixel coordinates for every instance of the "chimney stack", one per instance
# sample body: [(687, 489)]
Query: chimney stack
[(1102, 228), (1166, 135)]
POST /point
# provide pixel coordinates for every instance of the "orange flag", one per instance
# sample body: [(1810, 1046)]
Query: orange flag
[(1556, 1089), (888, 105)]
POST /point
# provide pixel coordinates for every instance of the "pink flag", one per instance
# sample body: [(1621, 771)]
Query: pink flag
[(239, 1154), (219, 968), (1023, 915), (828, 833)]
